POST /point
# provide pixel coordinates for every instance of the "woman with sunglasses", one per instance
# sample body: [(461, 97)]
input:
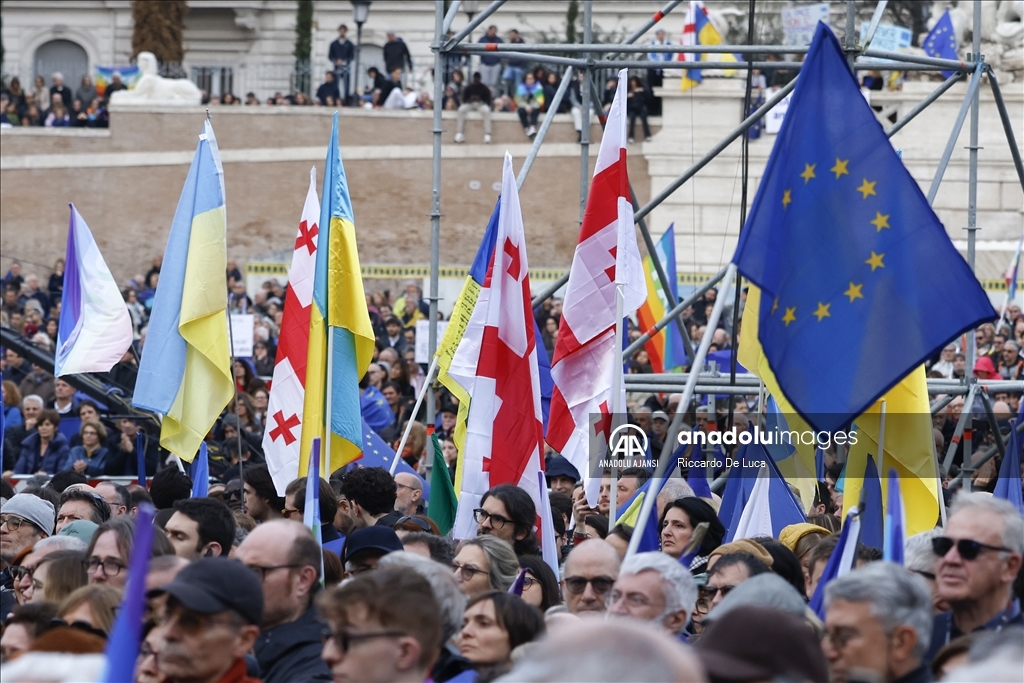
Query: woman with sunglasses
[(484, 563), (540, 585), (91, 608), (495, 624), (410, 524)]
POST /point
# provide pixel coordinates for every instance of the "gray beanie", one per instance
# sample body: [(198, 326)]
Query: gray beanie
[(33, 509), (764, 590)]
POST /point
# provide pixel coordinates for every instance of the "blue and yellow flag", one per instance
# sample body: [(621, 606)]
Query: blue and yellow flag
[(185, 371), (341, 338), (860, 282), (699, 30)]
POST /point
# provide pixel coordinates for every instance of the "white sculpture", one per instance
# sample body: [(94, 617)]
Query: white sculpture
[(154, 89)]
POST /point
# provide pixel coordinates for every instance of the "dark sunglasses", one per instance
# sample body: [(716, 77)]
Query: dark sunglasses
[(968, 549), (577, 584), (344, 639)]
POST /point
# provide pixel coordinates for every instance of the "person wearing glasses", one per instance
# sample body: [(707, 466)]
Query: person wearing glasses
[(494, 624), (410, 493), (920, 559), (384, 626), (286, 558), (980, 555), (590, 572), (656, 588), (728, 572), (214, 608), (295, 508), (878, 619), (111, 546), (201, 527), (24, 519), (484, 563), (508, 512)]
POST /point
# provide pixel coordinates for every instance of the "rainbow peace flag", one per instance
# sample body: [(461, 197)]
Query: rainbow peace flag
[(699, 30), (665, 349), (130, 75)]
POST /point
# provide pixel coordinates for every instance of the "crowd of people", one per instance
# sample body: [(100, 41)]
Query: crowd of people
[(237, 591), (56, 105)]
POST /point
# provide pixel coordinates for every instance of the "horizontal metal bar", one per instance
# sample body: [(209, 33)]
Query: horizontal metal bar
[(699, 389), (649, 24), (716, 150), (471, 26), (547, 59), (550, 290), (598, 48), (951, 64), (957, 481)]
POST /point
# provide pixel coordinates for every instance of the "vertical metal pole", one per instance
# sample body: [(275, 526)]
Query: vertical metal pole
[(972, 178), (850, 41), (357, 93), (588, 15), (435, 205), (617, 407)]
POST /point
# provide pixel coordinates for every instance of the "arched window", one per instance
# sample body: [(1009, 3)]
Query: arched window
[(61, 56)]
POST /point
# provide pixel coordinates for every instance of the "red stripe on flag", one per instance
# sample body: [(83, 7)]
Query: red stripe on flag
[(603, 201)]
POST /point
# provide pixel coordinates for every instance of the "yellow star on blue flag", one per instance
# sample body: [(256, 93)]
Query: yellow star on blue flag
[(858, 250)]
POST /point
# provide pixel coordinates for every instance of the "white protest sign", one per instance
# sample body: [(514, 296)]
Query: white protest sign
[(799, 23), (887, 37), (773, 119), (423, 338), (242, 327)]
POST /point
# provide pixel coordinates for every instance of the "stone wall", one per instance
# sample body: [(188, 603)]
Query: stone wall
[(126, 181)]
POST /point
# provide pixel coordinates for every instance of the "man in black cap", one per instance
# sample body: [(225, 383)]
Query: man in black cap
[(214, 608), (366, 546), (561, 474)]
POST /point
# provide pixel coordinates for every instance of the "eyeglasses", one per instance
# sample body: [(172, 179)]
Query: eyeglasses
[(13, 522), (529, 581), (418, 521), (711, 591), (193, 623), (578, 584), (344, 639), (110, 567), (466, 571), (288, 512), (261, 572), (497, 521), (84, 626), (968, 549), (406, 486), (18, 573)]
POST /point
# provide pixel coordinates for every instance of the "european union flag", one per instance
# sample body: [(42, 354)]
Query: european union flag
[(375, 409), (377, 453), (860, 282), (941, 41)]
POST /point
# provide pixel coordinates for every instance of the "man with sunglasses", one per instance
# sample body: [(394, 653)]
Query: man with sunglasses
[(214, 608), (385, 627), (590, 572), (286, 558), (979, 555)]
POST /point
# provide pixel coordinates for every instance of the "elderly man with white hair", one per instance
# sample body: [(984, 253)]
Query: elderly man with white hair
[(919, 558), (878, 620), (654, 587), (979, 556)]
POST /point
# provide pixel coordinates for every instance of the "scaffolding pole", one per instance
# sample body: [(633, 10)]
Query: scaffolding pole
[(435, 202)]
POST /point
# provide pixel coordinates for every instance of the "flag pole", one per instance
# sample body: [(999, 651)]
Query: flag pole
[(325, 452), (234, 383), (416, 409), (617, 407), (691, 383), (881, 441)]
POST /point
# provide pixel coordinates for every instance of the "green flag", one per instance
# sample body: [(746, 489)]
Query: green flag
[(442, 505)]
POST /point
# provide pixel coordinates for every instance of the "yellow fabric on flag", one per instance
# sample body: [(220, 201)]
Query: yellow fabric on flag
[(207, 384)]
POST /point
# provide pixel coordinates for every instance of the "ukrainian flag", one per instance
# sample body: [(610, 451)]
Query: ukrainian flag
[(700, 31), (341, 338), (185, 371)]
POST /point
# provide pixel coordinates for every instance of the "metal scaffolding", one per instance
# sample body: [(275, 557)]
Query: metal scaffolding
[(589, 58)]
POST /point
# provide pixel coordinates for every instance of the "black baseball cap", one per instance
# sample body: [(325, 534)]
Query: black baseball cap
[(379, 538), (217, 584)]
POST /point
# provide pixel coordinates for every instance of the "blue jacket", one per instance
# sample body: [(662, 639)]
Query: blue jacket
[(96, 465), (30, 461)]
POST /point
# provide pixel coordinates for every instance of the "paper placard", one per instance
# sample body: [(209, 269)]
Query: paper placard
[(799, 23), (423, 338), (242, 328), (773, 119)]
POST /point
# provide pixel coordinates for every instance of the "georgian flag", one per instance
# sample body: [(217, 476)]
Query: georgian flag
[(282, 441), (496, 363), (606, 256)]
